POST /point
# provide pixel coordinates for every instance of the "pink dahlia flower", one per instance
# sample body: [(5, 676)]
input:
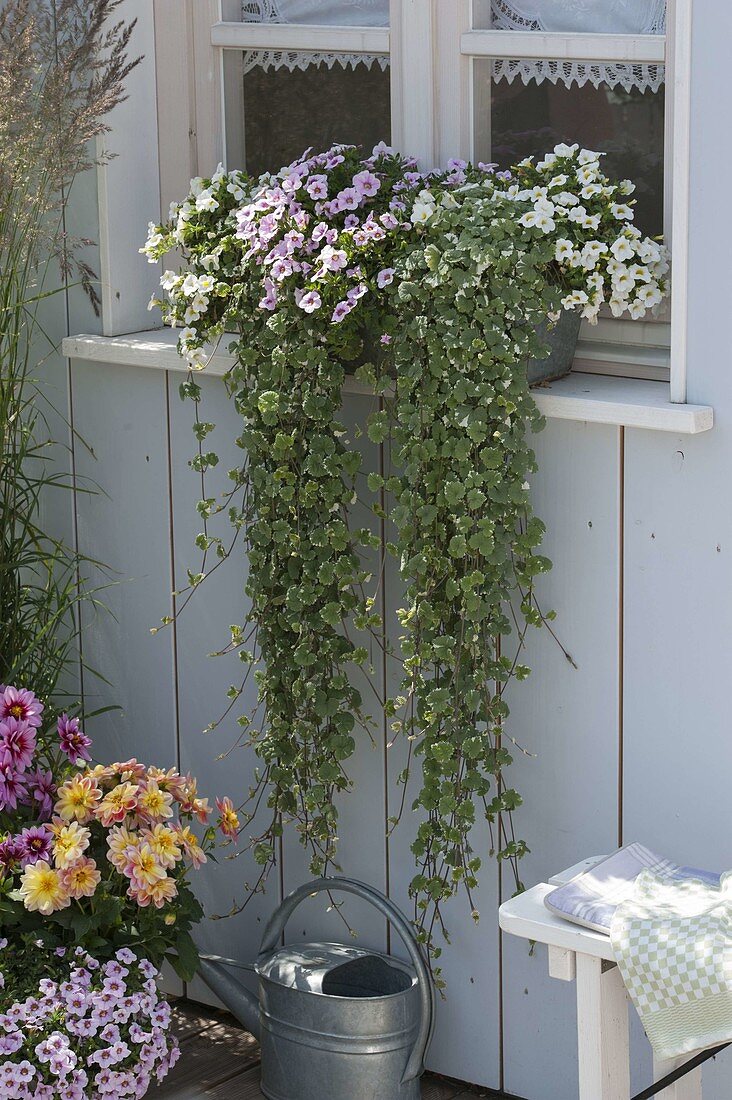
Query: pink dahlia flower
[(74, 742), (21, 704), (17, 743)]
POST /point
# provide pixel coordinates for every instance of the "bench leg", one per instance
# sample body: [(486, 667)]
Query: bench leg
[(688, 1088), (602, 1031)]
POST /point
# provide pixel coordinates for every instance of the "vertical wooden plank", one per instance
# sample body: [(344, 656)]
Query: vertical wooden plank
[(678, 605), (121, 415), (202, 681), (413, 79), (362, 812), (208, 82), (453, 114), (129, 188), (567, 719), (175, 98), (678, 752)]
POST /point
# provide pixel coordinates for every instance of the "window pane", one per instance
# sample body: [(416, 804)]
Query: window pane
[(344, 13), (514, 120), (284, 111), (588, 16)]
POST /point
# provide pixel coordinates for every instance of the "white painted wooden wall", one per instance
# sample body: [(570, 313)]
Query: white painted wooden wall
[(633, 745)]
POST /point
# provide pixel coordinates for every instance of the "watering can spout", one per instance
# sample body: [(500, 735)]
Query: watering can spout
[(240, 1002)]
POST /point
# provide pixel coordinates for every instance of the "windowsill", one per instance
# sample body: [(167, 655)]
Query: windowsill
[(596, 398)]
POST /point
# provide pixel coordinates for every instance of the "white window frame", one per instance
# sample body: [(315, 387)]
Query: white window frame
[(433, 45)]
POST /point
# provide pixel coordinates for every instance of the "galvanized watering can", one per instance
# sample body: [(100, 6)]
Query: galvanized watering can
[(335, 1022)]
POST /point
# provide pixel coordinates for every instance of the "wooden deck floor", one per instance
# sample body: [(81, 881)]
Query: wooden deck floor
[(219, 1061)]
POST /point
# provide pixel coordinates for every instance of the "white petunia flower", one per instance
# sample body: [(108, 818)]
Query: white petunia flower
[(563, 150), (168, 280), (545, 223), (563, 250), (622, 249), (190, 285), (576, 298), (618, 305), (566, 198), (549, 160), (557, 181), (626, 187), (543, 206), (422, 212), (205, 284), (206, 201), (587, 156), (640, 273), (636, 309), (621, 211), (588, 173), (591, 189), (623, 283), (196, 186), (650, 296), (591, 253)]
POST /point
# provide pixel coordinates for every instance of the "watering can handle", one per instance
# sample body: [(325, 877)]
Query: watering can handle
[(280, 917)]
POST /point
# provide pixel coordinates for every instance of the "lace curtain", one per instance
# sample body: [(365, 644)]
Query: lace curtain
[(588, 16), (342, 13)]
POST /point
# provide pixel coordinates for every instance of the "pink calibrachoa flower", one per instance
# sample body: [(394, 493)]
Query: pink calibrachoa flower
[(341, 310), (385, 277), (309, 301), (21, 704), (269, 301), (366, 183), (74, 742), (61, 1049)]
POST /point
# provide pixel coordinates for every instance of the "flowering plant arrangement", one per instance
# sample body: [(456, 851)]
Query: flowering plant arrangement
[(86, 1030), (93, 856), (431, 288)]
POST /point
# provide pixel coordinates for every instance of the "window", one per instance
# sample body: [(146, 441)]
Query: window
[(487, 79)]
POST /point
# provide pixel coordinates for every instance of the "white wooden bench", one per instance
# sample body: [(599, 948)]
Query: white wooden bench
[(585, 957)]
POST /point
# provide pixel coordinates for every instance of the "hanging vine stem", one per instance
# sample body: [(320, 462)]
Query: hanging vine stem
[(431, 286)]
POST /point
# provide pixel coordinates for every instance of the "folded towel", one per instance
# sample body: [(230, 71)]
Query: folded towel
[(591, 898), (672, 940)]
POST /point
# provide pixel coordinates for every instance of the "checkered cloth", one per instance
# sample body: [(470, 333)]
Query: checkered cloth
[(673, 943)]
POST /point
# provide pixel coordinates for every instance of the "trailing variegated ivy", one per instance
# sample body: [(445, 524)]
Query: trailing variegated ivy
[(430, 288)]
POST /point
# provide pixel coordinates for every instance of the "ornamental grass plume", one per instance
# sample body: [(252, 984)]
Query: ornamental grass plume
[(63, 68)]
